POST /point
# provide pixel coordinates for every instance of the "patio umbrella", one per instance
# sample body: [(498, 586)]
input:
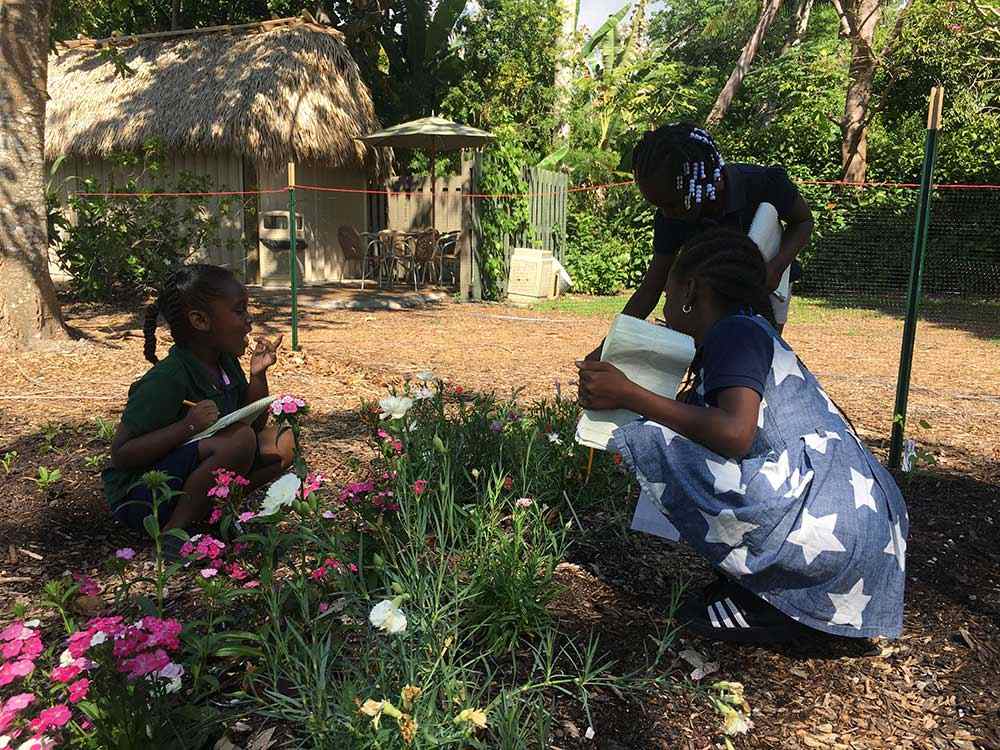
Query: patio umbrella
[(433, 134)]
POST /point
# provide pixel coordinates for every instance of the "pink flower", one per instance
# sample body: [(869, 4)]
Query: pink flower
[(524, 502), (324, 608), (251, 584), (215, 516), (15, 631), (219, 490), (287, 405), (241, 481), (78, 690), (223, 476), (65, 674), (145, 663), (208, 572), (319, 574), (186, 549), (314, 480), (239, 547), (12, 670), (125, 553), (236, 572), (419, 486), (110, 625), (328, 515), (51, 718), (247, 516), (88, 586), (162, 632), (18, 702), (384, 435), (353, 568)]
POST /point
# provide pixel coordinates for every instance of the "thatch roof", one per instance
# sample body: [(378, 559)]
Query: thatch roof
[(273, 91)]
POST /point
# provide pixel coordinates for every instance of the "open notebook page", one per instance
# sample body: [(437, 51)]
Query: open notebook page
[(652, 356)]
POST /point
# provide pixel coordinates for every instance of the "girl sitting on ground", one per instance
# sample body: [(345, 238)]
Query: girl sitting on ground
[(757, 468), (206, 309)]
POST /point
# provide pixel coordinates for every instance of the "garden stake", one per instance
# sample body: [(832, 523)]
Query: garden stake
[(292, 256), (916, 271), (590, 463)]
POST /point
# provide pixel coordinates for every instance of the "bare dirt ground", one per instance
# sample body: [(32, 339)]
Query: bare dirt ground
[(934, 688)]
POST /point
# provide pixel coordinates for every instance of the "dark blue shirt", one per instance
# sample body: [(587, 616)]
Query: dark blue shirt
[(735, 352), (747, 186)]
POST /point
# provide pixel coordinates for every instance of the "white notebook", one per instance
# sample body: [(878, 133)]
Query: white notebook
[(247, 414), (765, 230), (652, 356)]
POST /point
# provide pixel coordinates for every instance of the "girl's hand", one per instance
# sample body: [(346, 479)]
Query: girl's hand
[(603, 386), (265, 354), (201, 415)]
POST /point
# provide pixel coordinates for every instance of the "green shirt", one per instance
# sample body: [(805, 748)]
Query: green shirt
[(156, 400)]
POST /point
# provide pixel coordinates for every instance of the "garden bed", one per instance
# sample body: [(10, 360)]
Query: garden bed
[(934, 688)]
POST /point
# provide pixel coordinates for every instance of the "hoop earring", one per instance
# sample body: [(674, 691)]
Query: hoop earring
[(686, 309)]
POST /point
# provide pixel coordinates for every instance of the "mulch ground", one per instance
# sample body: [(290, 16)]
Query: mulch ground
[(936, 687)]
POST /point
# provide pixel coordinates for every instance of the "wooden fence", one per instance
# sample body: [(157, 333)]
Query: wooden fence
[(407, 206)]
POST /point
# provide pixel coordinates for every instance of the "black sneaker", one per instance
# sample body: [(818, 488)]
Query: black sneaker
[(725, 611)]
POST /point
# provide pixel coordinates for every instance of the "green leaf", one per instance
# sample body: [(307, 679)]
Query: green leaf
[(446, 15), (554, 159), (604, 29), (151, 525)]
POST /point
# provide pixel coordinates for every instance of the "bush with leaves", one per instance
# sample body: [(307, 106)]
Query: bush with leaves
[(120, 248)]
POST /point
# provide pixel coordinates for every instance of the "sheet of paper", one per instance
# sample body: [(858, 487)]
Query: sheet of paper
[(248, 414), (652, 356), (765, 231)]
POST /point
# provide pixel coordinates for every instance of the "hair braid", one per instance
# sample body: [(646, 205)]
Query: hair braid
[(186, 288), (684, 155), (149, 332)]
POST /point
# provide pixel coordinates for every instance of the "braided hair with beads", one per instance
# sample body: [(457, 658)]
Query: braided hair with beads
[(189, 287), (684, 155)]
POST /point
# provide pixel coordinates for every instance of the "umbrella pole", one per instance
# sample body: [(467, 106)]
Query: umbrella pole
[(433, 185)]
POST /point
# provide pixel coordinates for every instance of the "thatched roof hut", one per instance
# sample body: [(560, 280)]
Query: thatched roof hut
[(274, 91)]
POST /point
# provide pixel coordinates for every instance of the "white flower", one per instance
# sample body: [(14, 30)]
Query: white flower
[(589, 734), (423, 393), (734, 722), (4, 741), (426, 376), (524, 502), (554, 438), (387, 616), (98, 638), (395, 407), (172, 673), (475, 473), (282, 492), (36, 743), (32, 623), (66, 658)]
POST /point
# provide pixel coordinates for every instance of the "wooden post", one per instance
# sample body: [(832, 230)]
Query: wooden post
[(916, 274), (293, 260)]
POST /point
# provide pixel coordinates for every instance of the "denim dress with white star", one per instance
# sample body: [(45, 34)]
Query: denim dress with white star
[(808, 520)]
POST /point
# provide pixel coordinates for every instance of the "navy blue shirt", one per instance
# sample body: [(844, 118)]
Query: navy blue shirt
[(735, 352), (747, 186)]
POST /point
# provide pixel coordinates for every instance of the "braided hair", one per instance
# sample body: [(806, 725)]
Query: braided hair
[(685, 156), (730, 264), (190, 287)]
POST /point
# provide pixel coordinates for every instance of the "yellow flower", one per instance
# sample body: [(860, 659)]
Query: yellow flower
[(373, 709), (409, 694), (472, 716), (407, 728)]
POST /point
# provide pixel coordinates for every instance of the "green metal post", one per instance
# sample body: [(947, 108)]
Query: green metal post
[(293, 256), (923, 221)]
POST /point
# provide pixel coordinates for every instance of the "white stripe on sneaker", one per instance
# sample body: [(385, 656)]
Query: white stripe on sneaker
[(712, 616), (737, 615), (724, 616)]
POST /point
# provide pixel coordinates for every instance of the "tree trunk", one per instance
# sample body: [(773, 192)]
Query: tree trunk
[(861, 16), (845, 29), (767, 14), (29, 309), (800, 24)]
